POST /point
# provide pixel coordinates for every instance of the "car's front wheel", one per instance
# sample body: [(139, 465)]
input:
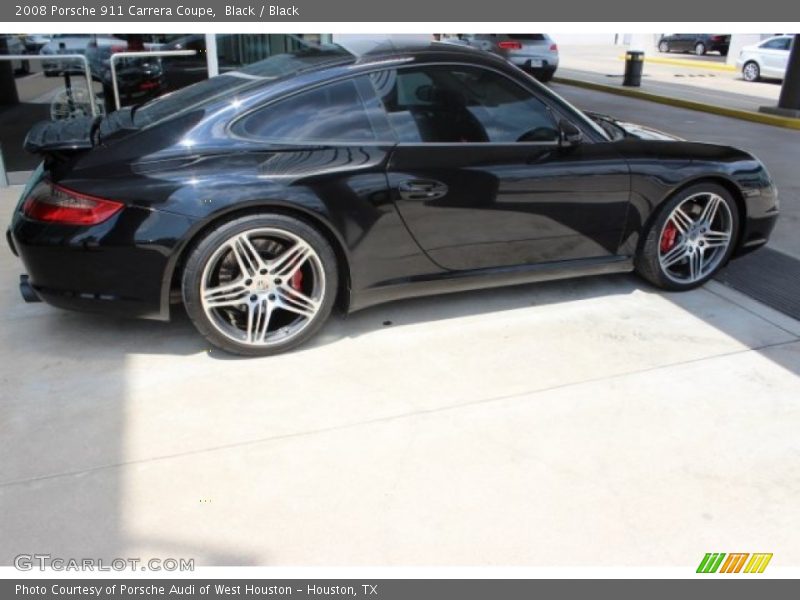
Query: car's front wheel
[(690, 239), (260, 284), (751, 71)]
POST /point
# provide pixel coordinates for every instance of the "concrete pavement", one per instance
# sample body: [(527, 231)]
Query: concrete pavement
[(702, 82), (584, 422)]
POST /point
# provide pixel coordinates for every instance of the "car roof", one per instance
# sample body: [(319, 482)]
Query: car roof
[(380, 54), (389, 49)]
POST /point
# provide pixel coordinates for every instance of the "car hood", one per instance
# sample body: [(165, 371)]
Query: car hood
[(631, 130)]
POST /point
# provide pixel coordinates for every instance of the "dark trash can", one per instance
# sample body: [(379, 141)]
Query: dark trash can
[(634, 62)]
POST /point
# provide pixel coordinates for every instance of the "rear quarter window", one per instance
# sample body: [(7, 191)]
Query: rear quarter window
[(330, 113)]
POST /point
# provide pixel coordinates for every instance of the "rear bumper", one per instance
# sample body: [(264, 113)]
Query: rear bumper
[(119, 266), (10, 241), (535, 62)]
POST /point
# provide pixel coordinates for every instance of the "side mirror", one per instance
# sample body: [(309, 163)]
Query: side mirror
[(569, 134)]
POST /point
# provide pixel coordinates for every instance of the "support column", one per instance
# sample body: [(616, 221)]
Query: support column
[(739, 41), (789, 101), (212, 60), (8, 86)]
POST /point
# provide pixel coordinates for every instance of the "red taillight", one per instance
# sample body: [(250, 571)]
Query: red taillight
[(553, 47), (148, 85), (56, 204), (509, 45), (118, 49)]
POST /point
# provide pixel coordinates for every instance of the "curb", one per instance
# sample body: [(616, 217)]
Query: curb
[(684, 62), (735, 113)]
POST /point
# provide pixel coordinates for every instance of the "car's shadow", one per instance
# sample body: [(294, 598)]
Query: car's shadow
[(115, 335), (98, 336)]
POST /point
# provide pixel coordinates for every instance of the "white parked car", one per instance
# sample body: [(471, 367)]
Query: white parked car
[(536, 53), (765, 59)]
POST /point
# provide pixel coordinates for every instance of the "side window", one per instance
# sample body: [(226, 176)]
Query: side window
[(330, 113), (777, 44), (448, 104)]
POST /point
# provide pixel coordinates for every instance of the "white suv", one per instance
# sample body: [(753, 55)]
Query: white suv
[(766, 59)]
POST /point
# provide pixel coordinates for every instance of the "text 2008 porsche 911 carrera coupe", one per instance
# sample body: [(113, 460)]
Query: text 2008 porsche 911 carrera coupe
[(270, 195)]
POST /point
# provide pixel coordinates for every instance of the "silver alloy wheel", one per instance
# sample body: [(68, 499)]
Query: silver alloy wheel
[(751, 71), (700, 49), (262, 287), (663, 47), (695, 238)]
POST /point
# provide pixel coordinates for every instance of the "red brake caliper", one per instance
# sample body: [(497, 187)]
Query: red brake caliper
[(668, 237), (297, 280)]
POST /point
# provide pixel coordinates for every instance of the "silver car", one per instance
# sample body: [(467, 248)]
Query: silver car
[(536, 53), (765, 59)]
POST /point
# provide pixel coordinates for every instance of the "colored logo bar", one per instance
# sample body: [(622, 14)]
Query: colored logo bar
[(714, 562)]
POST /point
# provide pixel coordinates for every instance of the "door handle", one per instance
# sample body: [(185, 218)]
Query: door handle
[(421, 189)]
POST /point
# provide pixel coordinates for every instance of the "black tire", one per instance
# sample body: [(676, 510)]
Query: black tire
[(751, 71), (544, 76), (663, 46), (203, 250), (647, 260), (700, 49)]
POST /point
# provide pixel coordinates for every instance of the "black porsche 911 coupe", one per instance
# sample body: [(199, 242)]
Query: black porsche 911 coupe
[(263, 198)]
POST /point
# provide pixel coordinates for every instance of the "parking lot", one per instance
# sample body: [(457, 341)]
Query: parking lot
[(583, 422)]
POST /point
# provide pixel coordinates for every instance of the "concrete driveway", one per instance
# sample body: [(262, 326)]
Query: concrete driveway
[(586, 422)]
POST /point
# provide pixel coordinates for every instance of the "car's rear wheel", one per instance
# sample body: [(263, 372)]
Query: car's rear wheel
[(691, 238), (260, 284), (699, 48), (751, 71), (663, 46)]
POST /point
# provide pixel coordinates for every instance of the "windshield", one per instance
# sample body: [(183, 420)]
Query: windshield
[(273, 68)]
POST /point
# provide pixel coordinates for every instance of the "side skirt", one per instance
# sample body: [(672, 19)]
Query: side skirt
[(459, 281)]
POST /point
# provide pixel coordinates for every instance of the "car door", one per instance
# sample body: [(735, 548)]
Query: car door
[(480, 178), (775, 56), (680, 42)]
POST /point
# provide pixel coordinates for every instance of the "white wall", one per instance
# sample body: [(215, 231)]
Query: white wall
[(740, 40)]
